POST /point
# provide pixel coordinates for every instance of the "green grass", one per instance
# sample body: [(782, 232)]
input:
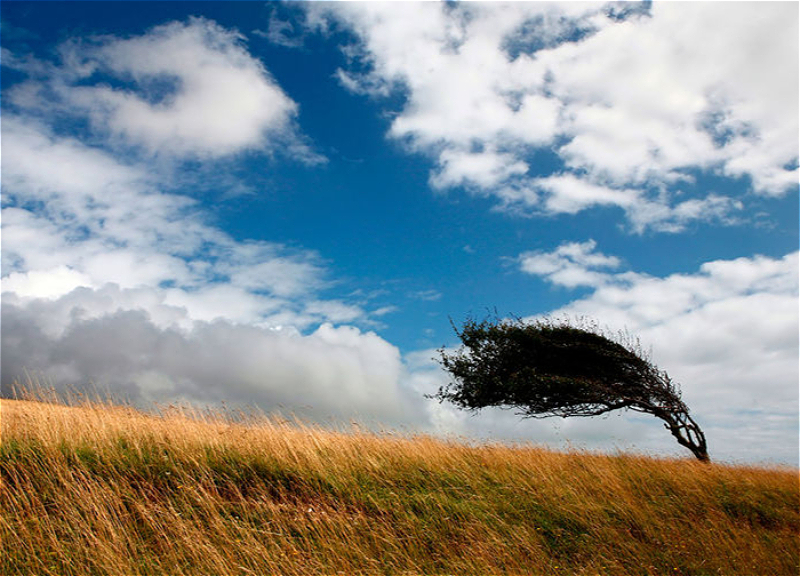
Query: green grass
[(102, 489)]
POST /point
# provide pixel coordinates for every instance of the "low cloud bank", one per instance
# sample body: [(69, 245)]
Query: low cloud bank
[(331, 374)]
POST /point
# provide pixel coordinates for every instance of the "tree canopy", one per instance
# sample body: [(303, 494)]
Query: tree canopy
[(549, 368)]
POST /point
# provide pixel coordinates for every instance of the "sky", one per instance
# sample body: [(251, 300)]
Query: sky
[(289, 205)]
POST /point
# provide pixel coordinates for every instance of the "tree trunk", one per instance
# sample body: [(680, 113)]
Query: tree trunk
[(688, 434)]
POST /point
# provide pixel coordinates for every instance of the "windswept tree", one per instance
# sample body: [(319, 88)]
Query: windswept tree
[(549, 368)]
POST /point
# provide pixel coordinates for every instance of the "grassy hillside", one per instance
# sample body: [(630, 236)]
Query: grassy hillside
[(103, 489)]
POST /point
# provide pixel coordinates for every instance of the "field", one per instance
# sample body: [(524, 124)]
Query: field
[(97, 488)]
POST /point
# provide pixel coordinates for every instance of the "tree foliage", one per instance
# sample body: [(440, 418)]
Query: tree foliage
[(549, 368)]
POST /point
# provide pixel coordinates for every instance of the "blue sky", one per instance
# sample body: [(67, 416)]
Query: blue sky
[(285, 204)]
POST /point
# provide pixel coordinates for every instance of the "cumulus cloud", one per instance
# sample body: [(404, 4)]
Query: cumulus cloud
[(728, 333), (569, 194), (183, 88), (571, 265), (709, 88)]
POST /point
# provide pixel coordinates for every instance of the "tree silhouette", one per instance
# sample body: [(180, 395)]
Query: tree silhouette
[(549, 368)]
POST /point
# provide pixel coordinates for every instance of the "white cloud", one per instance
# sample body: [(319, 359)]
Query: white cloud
[(45, 283), (710, 87), (187, 89), (646, 113), (571, 265), (336, 311), (568, 194), (728, 333), (258, 266), (485, 169), (224, 301)]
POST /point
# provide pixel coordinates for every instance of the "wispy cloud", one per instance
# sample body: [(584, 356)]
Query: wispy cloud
[(288, 32), (429, 295)]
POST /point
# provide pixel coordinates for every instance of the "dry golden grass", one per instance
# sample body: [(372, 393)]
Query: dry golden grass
[(104, 489)]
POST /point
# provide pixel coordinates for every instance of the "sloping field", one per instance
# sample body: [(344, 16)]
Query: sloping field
[(103, 489)]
